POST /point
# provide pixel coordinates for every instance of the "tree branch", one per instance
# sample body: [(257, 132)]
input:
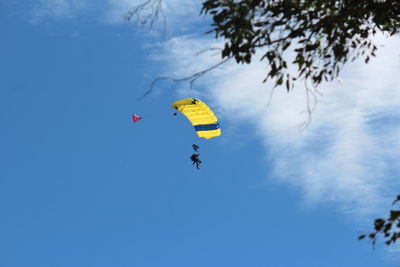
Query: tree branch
[(192, 78), (148, 13)]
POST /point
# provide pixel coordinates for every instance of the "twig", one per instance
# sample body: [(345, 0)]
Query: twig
[(311, 106), (192, 78), (270, 97), (148, 13), (208, 49)]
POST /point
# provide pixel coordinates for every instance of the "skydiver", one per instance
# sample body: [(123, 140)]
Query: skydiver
[(196, 148), (195, 159)]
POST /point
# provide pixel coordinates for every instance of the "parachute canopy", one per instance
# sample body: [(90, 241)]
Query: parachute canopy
[(200, 115)]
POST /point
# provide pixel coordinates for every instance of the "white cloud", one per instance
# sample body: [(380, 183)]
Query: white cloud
[(56, 9), (348, 155), (178, 15)]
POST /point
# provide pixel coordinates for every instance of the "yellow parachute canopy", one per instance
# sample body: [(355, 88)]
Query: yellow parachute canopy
[(200, 115)]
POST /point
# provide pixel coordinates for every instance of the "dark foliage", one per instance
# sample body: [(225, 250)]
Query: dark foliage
[(323, 34), (388, 229)]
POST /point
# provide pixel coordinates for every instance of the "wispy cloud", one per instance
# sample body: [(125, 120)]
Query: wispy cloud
[(177, 15), (56, 9), (347, 155)]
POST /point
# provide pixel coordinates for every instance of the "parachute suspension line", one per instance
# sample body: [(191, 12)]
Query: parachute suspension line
[(160, 115)]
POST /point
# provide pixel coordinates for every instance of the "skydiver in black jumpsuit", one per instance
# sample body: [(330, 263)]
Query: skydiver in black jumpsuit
[(195, 159)]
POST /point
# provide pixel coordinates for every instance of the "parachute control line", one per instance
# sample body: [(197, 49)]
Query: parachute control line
[(136, 118), (200, 115)]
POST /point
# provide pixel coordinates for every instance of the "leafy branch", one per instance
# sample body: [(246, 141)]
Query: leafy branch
[(388, 229), (323, 35)]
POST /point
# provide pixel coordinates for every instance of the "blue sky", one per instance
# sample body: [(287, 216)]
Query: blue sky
[(80, 185)]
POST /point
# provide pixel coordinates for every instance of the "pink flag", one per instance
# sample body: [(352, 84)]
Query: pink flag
[(136, 118)]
